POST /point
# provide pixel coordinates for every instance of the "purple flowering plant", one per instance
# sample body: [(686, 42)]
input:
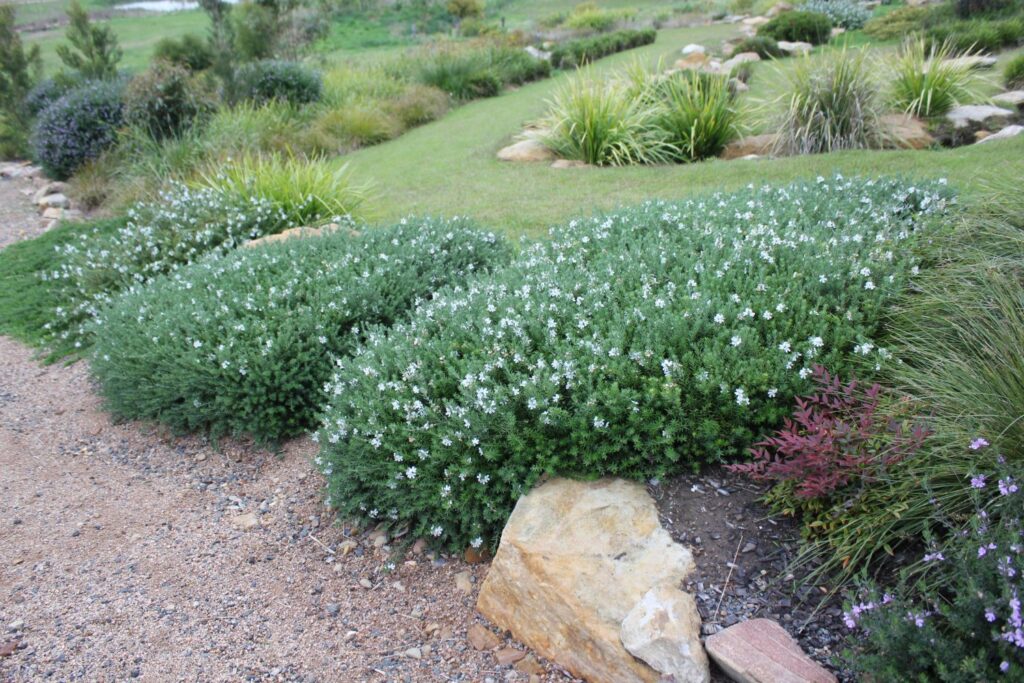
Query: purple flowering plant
[(959, 616)]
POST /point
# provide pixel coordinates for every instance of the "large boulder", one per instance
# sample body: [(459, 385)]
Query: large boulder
[(741, 58), (903, 131), (574, 561), (795, 47), (759, 145), (981, 115), (663, 629), (1013, 98), (530, 149), (761, 651)]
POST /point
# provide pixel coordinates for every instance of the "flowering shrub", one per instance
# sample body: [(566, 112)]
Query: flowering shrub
[(77, 127), (848, 14), (275, 79), (962, 620), (836, 437), (245, 343), (181, 226), (633, 344)]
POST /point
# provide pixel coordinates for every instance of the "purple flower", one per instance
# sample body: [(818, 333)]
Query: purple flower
[(983, 550), (978, 481), (978, 443), (1006, 486), (1004, 667), (932, 557), (990, 616)]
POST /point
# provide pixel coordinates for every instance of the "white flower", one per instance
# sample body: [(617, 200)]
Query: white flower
[(816, 342), (410, 472), (741, 397), (477, 542), (436, 531), (719, 318), (785, 347), (773, 392), (869, 285), (736, 340)]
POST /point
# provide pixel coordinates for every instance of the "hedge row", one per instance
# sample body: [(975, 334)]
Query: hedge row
[(576, 53)]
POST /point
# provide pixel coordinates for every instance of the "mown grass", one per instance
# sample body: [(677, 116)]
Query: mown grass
[(27, 301)]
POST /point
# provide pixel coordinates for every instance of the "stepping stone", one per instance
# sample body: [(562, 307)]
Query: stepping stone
[(1013, 98), (761, 651), (1004, 134), (967, 114)]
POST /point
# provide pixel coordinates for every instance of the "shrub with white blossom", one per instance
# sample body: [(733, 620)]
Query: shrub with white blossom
[(634, 344), (179, 227), (244, 344)]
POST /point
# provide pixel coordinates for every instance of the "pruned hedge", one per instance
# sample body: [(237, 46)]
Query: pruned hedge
[(579, 52)]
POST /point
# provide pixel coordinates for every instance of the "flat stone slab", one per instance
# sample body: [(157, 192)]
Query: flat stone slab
[(1004, 134), (795, 48), (761, 651), (966, 114), (1013, 98)]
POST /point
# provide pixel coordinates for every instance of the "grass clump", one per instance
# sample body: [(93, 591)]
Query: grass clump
[(928, 82), (244, 344), (634, 344), (833, 104), (984, 35), (304, 192), (478, 70), (1013, 74), (797, 26), (763, 46), (699, 114)]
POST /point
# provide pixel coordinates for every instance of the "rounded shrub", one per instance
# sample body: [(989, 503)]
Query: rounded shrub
[(276, 79), (190, 51), (419, 104), (1013, 75), (245, 344), (848, 14), (763, 46), (164, 100), (634, 344), (798, 26), (45, 93), (78, 127)]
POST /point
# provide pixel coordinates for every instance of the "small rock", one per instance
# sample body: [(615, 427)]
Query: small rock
[(378, 539), (366, 583), (346, 547), (663, 629), (778, 8), (530, 666), (16, 625), (973, 61), (419, 546), (569, 163), (530, 149), (332, 608), (55, 201), (413, 653), (1013, 98), (795, 48), (741, 58), (508, 655), (245, 522), (749, 547), (692, 48), (463, 583), (1004, 134), (760, 145), (8, 648), (761, 651), (482, 638), (53, 213)]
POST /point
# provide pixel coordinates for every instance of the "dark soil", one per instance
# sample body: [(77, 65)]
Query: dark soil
[(743, 557)]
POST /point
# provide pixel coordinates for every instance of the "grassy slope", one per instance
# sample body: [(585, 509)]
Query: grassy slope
[(448, 167)]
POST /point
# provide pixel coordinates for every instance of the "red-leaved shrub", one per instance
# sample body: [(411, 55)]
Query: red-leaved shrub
[(836, 437)]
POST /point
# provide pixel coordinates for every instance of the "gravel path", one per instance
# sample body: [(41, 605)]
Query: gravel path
[(127, 553)]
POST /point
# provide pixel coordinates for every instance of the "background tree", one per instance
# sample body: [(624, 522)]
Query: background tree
[(465, 9), (19, 71), (93, 52)]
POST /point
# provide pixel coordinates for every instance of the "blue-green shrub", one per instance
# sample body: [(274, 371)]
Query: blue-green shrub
[(276, 79), (634, 344), (848, 14), (244, 344), (181, 226), (797, 26), (78, 127)]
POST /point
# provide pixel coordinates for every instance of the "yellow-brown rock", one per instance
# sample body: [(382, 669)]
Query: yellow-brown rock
[(574, 560), (295, 233)]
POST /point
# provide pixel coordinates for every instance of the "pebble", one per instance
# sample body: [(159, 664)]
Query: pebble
[(332, 608), (414, 653), (16, 625), (365, 583)]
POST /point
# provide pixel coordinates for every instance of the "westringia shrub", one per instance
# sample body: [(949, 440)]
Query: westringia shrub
[(634, 344), (78, 127), (244, 344), (962, 619), (848, 14), (574, 53), (179, 227)]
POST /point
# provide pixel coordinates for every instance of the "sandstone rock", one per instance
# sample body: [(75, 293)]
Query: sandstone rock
[(973, 61), (569, 163), (20, 169), (795, 48), (692, 48), (760, 651), (51, 188), (1004, 134), (980, 114), (663, 629), (508, 655), (54, 201), (903, 131), (1013, 98), (981, 135), (778, 8), (481, 638), (754, 22), (530, 149), (529, 666), (741, 58), (246, 521), (694, 60), (294, 233), (346, 547), (53, 213), (574, 559), (463, 583), (759, 145)]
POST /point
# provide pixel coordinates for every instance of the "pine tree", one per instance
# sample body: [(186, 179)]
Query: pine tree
[(93, 51)]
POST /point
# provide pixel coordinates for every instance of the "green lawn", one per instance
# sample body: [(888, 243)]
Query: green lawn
[(449, 167)]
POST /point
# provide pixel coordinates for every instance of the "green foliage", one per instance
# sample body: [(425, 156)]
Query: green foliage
[(575, 53), (46, 92), (699, 114), (465, 9), (604, 124), (418, 104), (19, 71), (587, 16), (92, 51), (78, 127), (189, 51), (848, 14), (477, 70), (961, 621), (765, 47), (928, 82), (1013, 74), (27, 301), (832, 104), (179, 227), (634, 344), (255, 26), (304, 192), (245, 344), (898, 23), (164, 100), (797, 26), (275, 79), (979, 35)]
